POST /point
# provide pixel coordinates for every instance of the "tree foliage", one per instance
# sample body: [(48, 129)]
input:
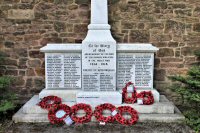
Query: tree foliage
[(188, 87), (7, 98)]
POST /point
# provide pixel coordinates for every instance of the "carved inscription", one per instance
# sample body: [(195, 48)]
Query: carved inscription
[(63, 71), (135, 67), (99, 67)]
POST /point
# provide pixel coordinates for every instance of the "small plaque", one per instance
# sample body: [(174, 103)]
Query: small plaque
[(68, 121), (60, 113), (114, 113), (140, 101), (102, 123), (130, 88)]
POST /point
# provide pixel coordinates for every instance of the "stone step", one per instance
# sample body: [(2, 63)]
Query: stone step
[(66, 95), (36, 118), (162, 107), (71, 95)]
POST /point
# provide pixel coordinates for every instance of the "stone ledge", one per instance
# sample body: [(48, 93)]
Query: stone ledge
[(95, 98), (66, 95), (163, 107), (70, 95), (37, 118), (121, 48)]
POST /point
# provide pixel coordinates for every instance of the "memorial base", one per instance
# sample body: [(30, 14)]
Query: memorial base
[(114, 97), (65, 95), (96, 98), (163, 111)]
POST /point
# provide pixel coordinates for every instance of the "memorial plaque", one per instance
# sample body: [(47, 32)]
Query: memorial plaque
[(99, 67), (135, 67), (63, 70)]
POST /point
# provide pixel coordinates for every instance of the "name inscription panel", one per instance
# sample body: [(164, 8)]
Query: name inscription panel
[(135, 67), (99, 67), (63, 70)]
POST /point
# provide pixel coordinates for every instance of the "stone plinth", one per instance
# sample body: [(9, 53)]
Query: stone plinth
[(135, 62), (163, 111)]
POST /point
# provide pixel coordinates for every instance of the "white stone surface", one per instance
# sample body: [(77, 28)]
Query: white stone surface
[(62, 48), (31, 106), (66, 95), (99, 66), (71, 95), (99, 51), (136, 68), (63, 70), (162, 107), (136, 48), (99, 11), (121, 48), (99, 27), (37, 118), (99, 97)]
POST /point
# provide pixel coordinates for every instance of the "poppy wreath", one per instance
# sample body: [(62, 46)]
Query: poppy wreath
[(126, 109), (125, 97), (147, 97), (49, 101), (99, 110), (52, 113), (81, 106)]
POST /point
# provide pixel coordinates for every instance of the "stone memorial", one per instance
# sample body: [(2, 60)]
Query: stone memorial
[(99, 59), (95, 72), (106, 65)]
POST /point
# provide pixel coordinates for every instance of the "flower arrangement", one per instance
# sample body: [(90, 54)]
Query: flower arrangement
[(54, 118), (147, 97), (81, 106), (127, 109), (49, 101), (98, 113), (125, 97)]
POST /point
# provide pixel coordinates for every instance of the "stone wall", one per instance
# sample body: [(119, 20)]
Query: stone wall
[(28, 25)]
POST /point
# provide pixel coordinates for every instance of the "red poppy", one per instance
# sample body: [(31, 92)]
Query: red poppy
[(98, 113)]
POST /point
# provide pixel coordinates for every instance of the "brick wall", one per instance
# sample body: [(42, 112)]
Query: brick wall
[(28, 25)]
